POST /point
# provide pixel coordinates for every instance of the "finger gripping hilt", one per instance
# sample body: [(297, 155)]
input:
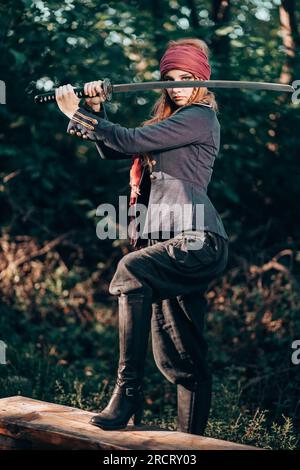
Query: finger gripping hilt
[(79, 92)]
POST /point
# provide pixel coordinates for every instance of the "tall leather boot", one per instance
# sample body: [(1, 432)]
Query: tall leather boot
[(127, 399), (193, 405)]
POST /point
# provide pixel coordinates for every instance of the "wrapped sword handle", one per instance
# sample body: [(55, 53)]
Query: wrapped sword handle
[(79, 92)]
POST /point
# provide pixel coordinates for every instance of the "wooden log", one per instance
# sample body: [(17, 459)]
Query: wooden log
[(35, 424)]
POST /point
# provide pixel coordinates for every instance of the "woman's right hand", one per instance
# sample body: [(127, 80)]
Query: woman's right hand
[(96, 94)]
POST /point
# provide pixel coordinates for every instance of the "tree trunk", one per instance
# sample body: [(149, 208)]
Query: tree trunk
[(194, 19), (159, 16), (290, 38), (220, 44)]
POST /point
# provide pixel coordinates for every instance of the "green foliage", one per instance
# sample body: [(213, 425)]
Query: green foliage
[(231, 421), (73, 42), (37, 368), (253, 319)]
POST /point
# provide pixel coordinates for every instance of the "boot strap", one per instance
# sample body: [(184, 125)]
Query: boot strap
[(128, 391)]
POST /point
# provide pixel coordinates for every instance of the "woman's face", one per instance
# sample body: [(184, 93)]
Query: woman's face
[(178, 95)]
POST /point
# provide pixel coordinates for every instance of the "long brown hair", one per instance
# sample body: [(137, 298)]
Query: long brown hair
[(164, 106)]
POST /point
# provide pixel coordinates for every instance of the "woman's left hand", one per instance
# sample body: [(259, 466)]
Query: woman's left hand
[(67, 100)]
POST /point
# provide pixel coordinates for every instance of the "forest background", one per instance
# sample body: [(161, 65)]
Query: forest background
[(56, 316)]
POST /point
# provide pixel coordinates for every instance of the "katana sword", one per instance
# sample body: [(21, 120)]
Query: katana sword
[(109, 89)]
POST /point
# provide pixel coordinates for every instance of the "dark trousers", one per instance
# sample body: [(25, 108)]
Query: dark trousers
[(176, 278)]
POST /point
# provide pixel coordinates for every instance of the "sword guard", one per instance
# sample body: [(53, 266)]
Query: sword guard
[(107, 89)]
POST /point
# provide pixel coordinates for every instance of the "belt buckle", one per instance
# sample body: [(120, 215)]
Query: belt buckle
[(128, 394)]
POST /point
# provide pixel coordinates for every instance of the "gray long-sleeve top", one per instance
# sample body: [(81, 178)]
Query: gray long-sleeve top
[(184, 147)]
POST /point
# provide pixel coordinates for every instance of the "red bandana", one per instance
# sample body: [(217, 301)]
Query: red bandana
[(135, 177), (135, 180), (185, 57)]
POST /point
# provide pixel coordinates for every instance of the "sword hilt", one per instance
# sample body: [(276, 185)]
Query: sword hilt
[(79, 92)]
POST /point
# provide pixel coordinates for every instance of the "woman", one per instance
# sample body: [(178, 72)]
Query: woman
[(162, 285)]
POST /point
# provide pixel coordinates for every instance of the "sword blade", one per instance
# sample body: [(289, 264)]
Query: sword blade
[(108, 88), (125, 87)]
